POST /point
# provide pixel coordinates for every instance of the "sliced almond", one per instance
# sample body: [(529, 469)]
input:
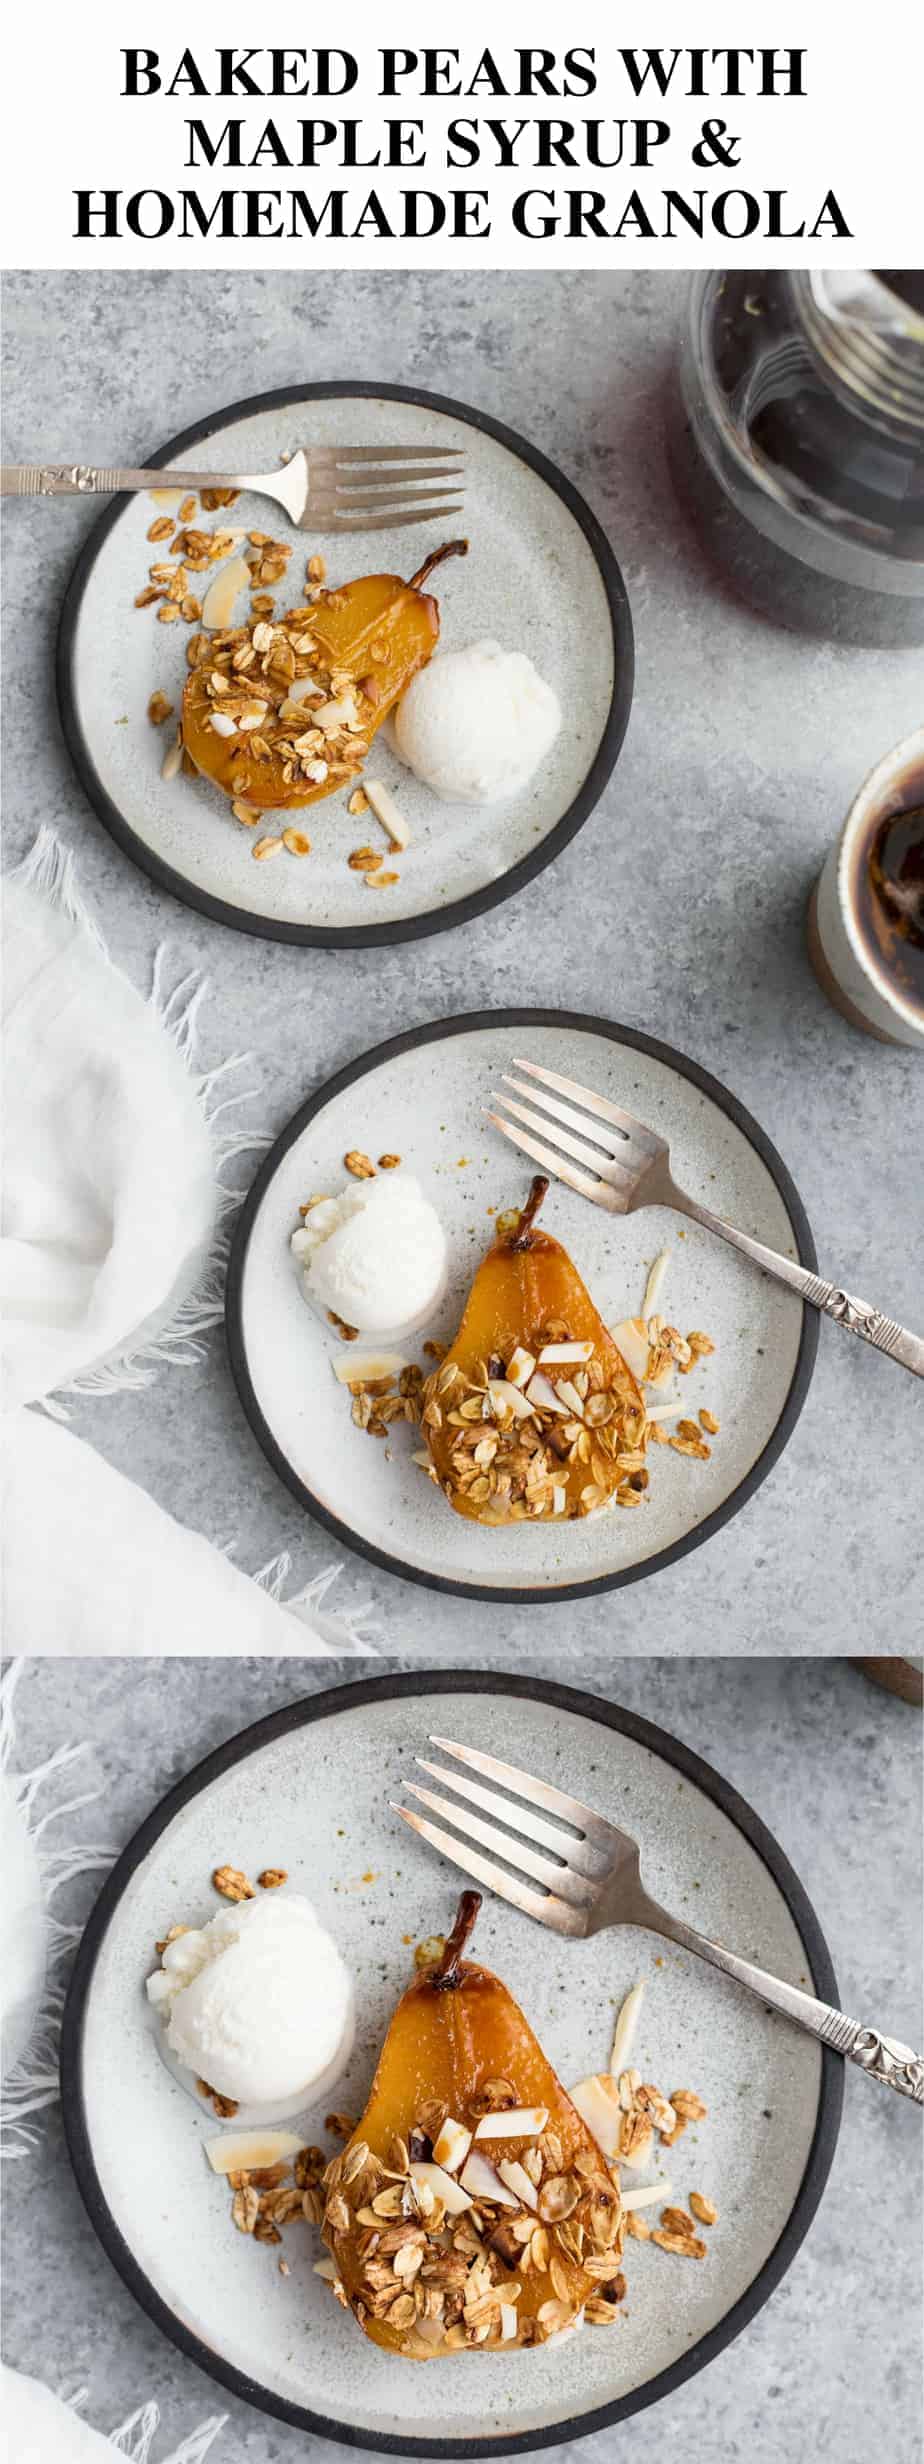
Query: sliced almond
[(508, 1398), (508, 2322), (518, 2122), (541, 1393), (248, 2151), (656, 1276), (442, 2185), (520, 1367), (626, 2025), (220, 725), (483, 2181), (648, 2194), (559, 1354), (386, 811), (364, 1368), (264, 847), (326, 2268), (570, 1397), (173, 758), (517, 2179), (452, 2146)]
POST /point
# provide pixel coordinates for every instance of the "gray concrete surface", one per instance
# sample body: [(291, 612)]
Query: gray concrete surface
[(831, 2366), (679, 907)]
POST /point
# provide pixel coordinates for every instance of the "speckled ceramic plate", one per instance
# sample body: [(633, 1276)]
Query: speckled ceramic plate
[(540, 577), (422, 1097), (309, 1789)]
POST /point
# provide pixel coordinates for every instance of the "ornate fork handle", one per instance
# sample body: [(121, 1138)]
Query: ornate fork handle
[(894, 2065), (858, 1316), (84, 479)]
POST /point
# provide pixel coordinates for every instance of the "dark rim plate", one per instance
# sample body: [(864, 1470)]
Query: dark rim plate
[(409, 928), (465, 1024), (301, 1714)]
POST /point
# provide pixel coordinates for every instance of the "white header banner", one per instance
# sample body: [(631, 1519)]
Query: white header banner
[(530, 137)]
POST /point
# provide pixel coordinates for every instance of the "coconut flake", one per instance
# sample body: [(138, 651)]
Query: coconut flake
[(569, 1396), (520, 1367), (247, 2151), (517, 2179), (327, 2269), (484, 2182), (599, 2107), (631, 1339), (559, 1354), (221, 595), (505, 1396), (364, 1368), (443, 2186), (626, 2025), (515, 2122), (452, 2146), (541, 1392), (508, 2322)]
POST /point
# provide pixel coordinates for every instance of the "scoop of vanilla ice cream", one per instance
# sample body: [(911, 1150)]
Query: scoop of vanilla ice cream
[(258, 2001), (376, 1255), (476, 723)]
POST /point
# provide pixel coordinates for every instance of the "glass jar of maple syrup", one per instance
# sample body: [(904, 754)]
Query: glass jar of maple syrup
[(804, 401)]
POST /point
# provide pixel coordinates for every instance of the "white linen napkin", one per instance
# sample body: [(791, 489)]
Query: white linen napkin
[(111, 1268), (39, 2429)]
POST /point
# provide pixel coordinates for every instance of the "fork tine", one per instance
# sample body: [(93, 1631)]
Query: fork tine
[(560, 1171), (553, 1912), (582, 1858), (594, 1103), (536, 1792), (615, 1142), (387, 500), (616, 1175), (347, 483), (575, 1888), (385, 521), (329, 455)]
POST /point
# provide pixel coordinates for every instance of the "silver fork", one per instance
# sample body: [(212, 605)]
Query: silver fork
[(592, 1880), (624, 1166), (322, 488)]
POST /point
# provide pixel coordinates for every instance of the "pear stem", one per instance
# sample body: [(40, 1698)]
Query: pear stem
[(538, 1192), (437, 556), (446, 1973)]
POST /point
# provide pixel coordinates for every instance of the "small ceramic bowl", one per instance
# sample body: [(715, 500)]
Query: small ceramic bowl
[(854, 977)]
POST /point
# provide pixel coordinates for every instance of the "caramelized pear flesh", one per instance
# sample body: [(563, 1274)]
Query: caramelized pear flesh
[(250, 704), (533, 1413), (440, 2259)]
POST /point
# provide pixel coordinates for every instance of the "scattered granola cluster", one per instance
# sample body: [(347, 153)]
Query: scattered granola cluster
[(272, 655), (536, 1436), (441, 2266), (518, 1455), (191, 551), (269, 2196), (275, 684)]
